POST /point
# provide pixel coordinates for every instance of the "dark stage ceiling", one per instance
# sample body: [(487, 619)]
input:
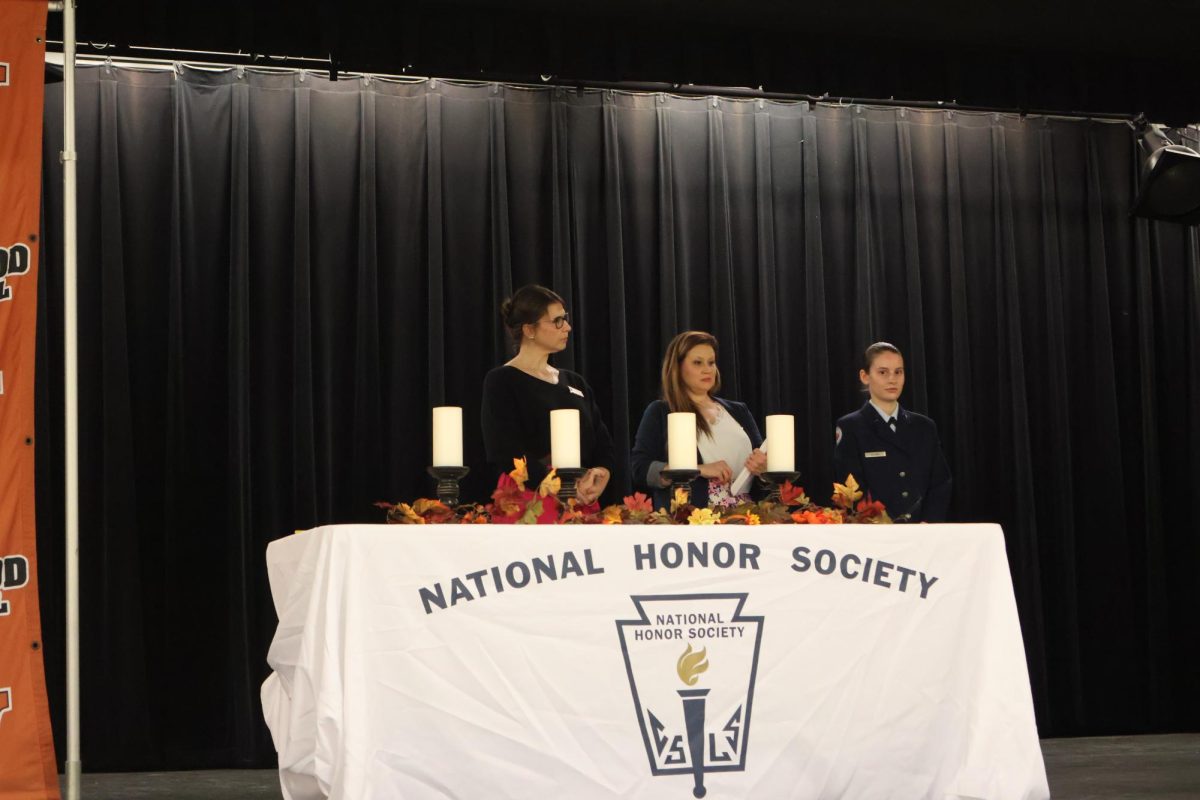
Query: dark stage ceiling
[(1068, 56)]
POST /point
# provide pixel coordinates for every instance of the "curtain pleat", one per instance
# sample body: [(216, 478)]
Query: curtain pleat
[(305, 480), (959, 427), (766, 290), (722, 310), (868, 302), (110, 441), (435, 266), (281, 274), (1012, 411), (367, 447), (618, 349), (915, 389), (672, 281), (1062, 633), (816, 376), (241, 480), (1148, 303)]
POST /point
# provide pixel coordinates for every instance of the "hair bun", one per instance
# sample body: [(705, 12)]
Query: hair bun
[(506, 309)]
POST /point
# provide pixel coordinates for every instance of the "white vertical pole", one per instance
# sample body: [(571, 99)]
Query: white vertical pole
[(71, 388)]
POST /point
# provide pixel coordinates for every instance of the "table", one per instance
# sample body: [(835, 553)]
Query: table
[(507, 661)]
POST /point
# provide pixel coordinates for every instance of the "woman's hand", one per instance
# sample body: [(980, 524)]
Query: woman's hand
[(757, 462), (718, 470), (589, 488)]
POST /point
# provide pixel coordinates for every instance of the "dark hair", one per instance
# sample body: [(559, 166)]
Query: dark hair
[(879, 347), (526, 307), (674, 392)]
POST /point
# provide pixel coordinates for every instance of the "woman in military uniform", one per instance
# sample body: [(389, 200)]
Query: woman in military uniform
[(892, 452)]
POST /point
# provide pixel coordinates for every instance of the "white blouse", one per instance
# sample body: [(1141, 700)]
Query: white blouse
[(728, 442)]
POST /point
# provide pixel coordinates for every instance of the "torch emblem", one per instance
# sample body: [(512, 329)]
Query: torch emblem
[(692, 661)]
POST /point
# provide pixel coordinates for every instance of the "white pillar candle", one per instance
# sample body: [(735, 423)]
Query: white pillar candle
[(447, 436), (781, 443), (564, 438), (681, 440)]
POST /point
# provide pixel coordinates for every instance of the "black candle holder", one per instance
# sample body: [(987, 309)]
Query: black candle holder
[(776, 480), (682, 479), (570, 476), (447, 482)]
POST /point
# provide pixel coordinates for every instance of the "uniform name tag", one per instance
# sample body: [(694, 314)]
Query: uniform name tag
[(575, 391), (876, 454)]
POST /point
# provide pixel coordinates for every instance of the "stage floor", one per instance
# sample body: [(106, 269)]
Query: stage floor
[(1108, 768)]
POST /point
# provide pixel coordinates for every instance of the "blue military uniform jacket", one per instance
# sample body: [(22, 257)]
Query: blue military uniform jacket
[(904, 469)]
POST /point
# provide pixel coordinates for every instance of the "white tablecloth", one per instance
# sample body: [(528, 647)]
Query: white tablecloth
[(807, 661)]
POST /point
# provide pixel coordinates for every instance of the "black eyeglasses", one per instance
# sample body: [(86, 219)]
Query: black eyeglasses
[(559, 321)]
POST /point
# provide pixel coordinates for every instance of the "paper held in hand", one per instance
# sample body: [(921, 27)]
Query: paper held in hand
[(741, 483)]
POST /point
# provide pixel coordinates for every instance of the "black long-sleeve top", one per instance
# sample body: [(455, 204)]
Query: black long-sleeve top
[(516, 421)]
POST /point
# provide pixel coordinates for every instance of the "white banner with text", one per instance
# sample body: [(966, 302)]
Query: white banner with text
[(799, 661)]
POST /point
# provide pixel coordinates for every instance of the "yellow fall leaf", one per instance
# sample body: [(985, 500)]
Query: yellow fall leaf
[(680, 498), (520, 473), (847, 494), (550, 484)]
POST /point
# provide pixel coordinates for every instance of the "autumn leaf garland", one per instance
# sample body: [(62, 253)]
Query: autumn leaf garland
[(513, 503)]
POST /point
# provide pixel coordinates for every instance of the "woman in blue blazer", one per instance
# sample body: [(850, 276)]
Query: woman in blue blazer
[(727, 437)]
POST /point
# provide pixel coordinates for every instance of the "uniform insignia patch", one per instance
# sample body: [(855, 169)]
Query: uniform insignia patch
[(837, 434), (575, 391)]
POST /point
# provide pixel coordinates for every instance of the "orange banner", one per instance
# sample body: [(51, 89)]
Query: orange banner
[(27, 765)]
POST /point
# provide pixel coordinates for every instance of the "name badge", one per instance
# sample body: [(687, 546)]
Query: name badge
[(876, 454), (575, 391)]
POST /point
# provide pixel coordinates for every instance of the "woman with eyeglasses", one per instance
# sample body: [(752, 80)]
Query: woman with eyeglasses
[(519, 396), (727, 437)]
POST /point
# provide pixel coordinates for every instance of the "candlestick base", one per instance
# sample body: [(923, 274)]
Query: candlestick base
[(682, 479), (570, 476), (776, 480), (447, 482)]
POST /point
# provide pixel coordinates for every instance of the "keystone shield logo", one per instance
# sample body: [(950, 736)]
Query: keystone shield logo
[(692, 661)]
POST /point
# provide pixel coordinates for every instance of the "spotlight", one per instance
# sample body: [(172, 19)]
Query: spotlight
[(1169, 183)]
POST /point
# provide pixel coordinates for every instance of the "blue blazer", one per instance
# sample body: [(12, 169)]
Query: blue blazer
[(650, 445), (904, 469)]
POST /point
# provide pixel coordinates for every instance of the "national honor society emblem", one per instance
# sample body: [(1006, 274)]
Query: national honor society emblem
[(691, 661)]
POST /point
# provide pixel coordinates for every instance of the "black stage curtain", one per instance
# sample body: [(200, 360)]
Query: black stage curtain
[(279, 275)]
